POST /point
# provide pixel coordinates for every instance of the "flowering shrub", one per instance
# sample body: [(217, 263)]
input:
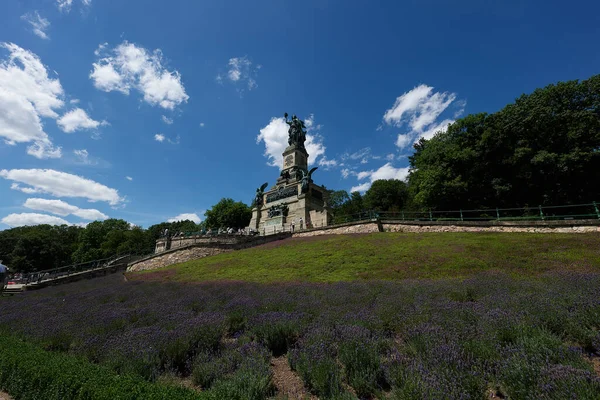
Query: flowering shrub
[(414, 339)]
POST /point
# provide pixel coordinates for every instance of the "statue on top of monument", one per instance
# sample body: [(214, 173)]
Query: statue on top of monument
[(296, 132), (258, 198)]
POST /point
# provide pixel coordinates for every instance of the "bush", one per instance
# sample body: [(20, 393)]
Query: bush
[(362, 367), (29, 372)]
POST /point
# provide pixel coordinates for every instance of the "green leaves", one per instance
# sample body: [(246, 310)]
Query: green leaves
[(543, 149), (228, 214)]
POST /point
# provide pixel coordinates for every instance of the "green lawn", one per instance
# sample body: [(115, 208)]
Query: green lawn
[(392, 256)]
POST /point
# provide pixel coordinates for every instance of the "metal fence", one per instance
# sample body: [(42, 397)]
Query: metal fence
[(536, 213), (69, 270)]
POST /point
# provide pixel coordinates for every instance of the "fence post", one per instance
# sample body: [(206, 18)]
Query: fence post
[(461, 216), (497, 214), (541, 213), (597, 211), (430, 216)]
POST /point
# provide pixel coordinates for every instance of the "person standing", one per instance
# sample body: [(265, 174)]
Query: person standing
[(3, 269), (301, 222), (293, 224)]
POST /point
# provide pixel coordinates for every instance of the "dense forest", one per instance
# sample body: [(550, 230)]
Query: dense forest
[(544, 149)]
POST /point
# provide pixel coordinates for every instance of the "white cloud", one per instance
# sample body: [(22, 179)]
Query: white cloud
[(28, 219), (65, 5), (129, 66), (38, 24), (240, 70), (275, 137), (419, 108), (26, 95), (201, 124), (63, 209), (386, 171), (83, 157), (74, 101), (60, 184), (129, 178), (77, 119), (404, 140), (159, 137), (167, 120), (347, 172), (363, 187), (390, 157), (324, 162), (433, 129), (182, 217)]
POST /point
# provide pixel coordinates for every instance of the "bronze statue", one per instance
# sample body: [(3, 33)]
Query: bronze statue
[(296, 132), (259, 197), (305, 178)]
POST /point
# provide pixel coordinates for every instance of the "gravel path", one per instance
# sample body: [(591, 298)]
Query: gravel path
[(5, 396), (287, 382)]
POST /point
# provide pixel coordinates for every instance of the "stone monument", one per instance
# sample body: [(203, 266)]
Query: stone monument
[(294, 196)]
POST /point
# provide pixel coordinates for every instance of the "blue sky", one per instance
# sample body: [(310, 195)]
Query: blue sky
[(150, 110)]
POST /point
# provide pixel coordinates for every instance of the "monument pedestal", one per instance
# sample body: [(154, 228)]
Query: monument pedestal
[(294, 195)]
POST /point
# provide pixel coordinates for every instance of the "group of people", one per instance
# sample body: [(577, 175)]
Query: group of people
[(300, 223)]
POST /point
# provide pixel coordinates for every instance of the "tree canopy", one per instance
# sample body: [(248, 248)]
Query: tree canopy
[(228, 213), (542, 150)]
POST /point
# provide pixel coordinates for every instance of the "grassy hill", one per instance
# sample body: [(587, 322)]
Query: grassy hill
[(392, 256)]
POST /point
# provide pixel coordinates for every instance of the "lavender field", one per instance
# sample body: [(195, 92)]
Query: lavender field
[(490, 335)]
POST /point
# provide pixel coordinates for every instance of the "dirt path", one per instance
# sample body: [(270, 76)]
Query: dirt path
[(5, 396), (287, 382)]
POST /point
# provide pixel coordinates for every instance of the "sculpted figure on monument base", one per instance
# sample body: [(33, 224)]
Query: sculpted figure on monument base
[(258, 198)]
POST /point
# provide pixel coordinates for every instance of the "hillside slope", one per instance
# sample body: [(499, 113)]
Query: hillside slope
[(392, 256)]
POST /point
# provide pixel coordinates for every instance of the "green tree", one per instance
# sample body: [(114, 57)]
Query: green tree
[(101, 239), (543, 149), (386, 195), (228, 214), (36, 248)]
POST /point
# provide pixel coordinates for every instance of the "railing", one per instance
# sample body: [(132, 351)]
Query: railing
[(69, 270), (537, 213)]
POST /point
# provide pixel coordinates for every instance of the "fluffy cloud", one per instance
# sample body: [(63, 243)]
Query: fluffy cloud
[(63, 209), (60, 184), (167, 120), (77, 119), (128, 67), (83, 157), (240, 70), (20, 123), (386, 171), (159, 137), (182, 217), (28, 219), (419, 109), (65, 5), (38, 24), (129, 178), (275, 137), (28, 94)]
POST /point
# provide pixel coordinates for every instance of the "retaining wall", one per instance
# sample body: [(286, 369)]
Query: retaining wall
[(202, 248), (552, 226)]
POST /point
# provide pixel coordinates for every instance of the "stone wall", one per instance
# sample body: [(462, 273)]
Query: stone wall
[(352, 227), (555, 226), (191, 248), (174, 257), (492, 226)]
